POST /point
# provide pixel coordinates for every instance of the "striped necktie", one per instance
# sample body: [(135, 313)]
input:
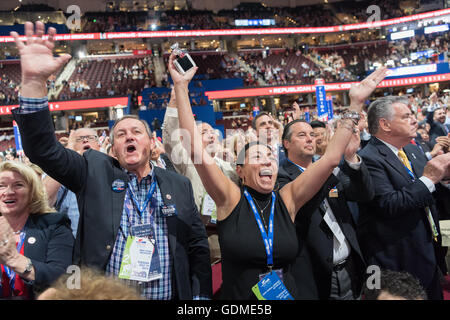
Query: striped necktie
[(404, 159)]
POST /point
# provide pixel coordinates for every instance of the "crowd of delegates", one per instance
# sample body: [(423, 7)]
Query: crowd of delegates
[(8, 96), (279, 73), (398, 53), (335, 67), (309, 209), (293, 67), (419, 50)]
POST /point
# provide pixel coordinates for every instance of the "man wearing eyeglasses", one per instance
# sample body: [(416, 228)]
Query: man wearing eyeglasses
[(85, 139), (59, 196)]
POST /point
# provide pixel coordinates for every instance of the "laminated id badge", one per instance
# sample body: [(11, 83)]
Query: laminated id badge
[(140, 260), (271, 288), (209, 208)]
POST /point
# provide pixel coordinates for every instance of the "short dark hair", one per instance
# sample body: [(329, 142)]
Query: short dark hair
[(241, 155), (287, 132), (259, 116), (129, 116), (318, 124), (397, 283)]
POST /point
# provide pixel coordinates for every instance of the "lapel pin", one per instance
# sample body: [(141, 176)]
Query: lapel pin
[(31, 240), (168, 196)]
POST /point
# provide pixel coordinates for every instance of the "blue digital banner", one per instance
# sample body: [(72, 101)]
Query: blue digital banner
[(19, 149), (330, 107), (417, 70), (322, 109), (307, 116)]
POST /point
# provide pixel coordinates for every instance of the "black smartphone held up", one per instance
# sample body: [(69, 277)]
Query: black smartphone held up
[(184, 61)]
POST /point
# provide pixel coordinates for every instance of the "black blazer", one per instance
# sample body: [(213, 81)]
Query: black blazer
[(437, 129), (49, 245), (394, 232), (90, 177), (313, 267)]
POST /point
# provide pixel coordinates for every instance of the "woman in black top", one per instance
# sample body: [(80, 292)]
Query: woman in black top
[(243, 255), (244, 228)]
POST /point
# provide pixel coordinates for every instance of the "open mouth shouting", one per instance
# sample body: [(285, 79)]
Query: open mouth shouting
[(266, 175), (131, 149)]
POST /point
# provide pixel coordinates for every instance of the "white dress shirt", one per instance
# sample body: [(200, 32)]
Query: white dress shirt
[(341, 247)]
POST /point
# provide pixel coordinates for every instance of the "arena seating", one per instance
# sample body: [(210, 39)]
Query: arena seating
[(9, 71), (102, 69)]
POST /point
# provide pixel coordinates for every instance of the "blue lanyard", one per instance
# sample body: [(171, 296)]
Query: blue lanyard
[(140, 209), (411, 174), (267, 236), (9, 272)]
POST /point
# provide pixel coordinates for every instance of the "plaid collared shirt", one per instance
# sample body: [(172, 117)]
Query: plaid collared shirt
[(157, 289), (160, 289), (30, 105)]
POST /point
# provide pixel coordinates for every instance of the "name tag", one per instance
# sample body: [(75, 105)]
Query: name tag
[(143, 230), (140, 260), (169, 211), (271, 288)]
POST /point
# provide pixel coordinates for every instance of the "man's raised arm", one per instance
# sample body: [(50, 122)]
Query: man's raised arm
[(33, 116)]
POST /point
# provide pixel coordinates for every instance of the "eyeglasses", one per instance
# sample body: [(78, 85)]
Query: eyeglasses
[(90, 138)]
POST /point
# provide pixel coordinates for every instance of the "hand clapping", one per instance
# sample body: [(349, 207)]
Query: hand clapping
[(7, 242)]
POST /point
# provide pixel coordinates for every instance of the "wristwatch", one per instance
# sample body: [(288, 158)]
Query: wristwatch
[(28, 268), (353, 115)]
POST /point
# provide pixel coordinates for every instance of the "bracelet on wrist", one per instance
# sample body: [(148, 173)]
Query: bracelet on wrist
[(352, 115)]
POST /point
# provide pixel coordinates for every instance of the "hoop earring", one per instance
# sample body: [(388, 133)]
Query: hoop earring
[(243, 181)]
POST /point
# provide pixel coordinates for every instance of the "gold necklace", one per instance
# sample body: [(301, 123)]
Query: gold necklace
[(262, 212)]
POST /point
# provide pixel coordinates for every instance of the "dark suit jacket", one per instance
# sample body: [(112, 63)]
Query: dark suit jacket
[(437, 129), (90, 177), (281, 155), (52, 248), (394, 232), (313, 266), (426, 146), (169, 164)]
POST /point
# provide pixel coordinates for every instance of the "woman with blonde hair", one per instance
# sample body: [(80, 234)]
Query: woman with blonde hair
[(36, 243), (92, 285)]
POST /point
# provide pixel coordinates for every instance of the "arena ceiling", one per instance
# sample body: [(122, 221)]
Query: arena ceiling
[(143, 5)]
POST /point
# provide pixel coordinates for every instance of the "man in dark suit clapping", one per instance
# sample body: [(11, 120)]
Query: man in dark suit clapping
[(398, 229), (329, 264)]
